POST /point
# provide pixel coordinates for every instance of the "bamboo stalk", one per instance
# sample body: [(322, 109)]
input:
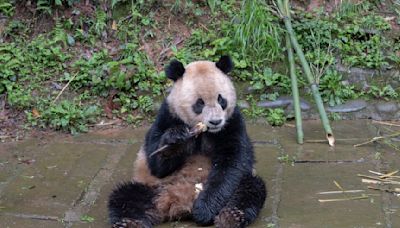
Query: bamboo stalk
[(284, 11), (295, 92)]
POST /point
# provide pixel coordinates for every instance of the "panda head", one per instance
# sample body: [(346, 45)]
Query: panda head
[(202, 92)]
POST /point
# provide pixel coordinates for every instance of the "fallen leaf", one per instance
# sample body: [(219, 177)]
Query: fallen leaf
[(35, 113), (114, 25)]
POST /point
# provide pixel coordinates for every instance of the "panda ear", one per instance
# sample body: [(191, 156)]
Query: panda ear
[(175, 70), (225, 64)]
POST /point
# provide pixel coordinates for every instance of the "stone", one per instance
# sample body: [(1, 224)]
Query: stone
[(350, 106), (283, 102), (243, 104), (390, 106)]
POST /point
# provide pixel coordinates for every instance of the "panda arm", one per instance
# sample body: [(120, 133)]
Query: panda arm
[(232, 159), (166, 129), (221, 184)]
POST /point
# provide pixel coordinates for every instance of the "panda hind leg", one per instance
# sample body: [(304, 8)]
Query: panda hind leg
[(131, 206), (245, 204)]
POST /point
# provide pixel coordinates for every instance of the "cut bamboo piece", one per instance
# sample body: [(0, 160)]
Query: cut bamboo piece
[(343, 199), (374, 139), (389, 174), (395, 190), (340, 192)]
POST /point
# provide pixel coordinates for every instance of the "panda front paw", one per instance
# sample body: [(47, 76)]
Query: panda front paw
[(230, 218), (175, 135), (202, 215)]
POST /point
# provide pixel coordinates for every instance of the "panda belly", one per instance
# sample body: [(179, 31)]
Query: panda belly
[(178, 191)]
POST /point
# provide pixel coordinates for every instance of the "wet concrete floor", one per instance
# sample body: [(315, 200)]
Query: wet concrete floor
[(65, 181)]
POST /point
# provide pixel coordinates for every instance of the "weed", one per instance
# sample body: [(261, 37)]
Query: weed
[(270, 84), (255, 33), (6, 8), (87, 218), (101, 22), (334, 116), (387, 92), (253, 111), (287, 159), (276, 117), (334, 90), (358, 41), (67, 115)]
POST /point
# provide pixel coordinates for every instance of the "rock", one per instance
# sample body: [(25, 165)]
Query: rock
[(364, 78), (304, 105), (70, 40), (283, 102), (350, 106), (243, 104), (367, 113), (249, 90), (390, 106), (274, 104)]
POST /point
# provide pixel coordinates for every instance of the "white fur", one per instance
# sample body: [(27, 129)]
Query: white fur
[(202, 79)]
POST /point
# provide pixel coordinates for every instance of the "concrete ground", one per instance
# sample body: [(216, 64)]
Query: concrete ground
[(64, 181)]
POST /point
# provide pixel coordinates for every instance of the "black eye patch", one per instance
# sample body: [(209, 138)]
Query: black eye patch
[(222, 101), (198, 106)]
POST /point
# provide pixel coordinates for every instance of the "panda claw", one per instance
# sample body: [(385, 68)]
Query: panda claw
[(230, 218)]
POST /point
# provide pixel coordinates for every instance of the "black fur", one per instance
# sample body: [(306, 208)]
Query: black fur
[(198, 106), (225, 64), (134, 201), (222, 101), (230, 185), (175, 70), (249, 198), (230, 182), (162, 133), (232, 160)]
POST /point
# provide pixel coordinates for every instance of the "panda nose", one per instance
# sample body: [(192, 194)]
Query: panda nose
[(215, 122)]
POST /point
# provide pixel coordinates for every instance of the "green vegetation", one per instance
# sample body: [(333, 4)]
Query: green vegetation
[(87, 218), (334, 90), (276, 117), (104, 59)]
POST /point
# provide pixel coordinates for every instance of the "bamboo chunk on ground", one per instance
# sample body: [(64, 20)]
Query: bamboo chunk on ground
[(342, 199)]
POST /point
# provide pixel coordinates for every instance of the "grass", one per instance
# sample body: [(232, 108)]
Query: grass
[(255, 32), (101, 55)]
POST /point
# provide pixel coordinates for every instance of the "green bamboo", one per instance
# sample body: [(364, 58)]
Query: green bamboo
[(295, 92), (284, 10)]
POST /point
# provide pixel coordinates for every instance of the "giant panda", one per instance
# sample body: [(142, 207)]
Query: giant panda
[(209, 177)]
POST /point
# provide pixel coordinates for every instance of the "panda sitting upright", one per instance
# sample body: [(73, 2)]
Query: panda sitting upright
[(206, 176)]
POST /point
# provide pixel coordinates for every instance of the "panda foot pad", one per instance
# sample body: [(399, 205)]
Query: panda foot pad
[(129, 223), (230, 218)]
